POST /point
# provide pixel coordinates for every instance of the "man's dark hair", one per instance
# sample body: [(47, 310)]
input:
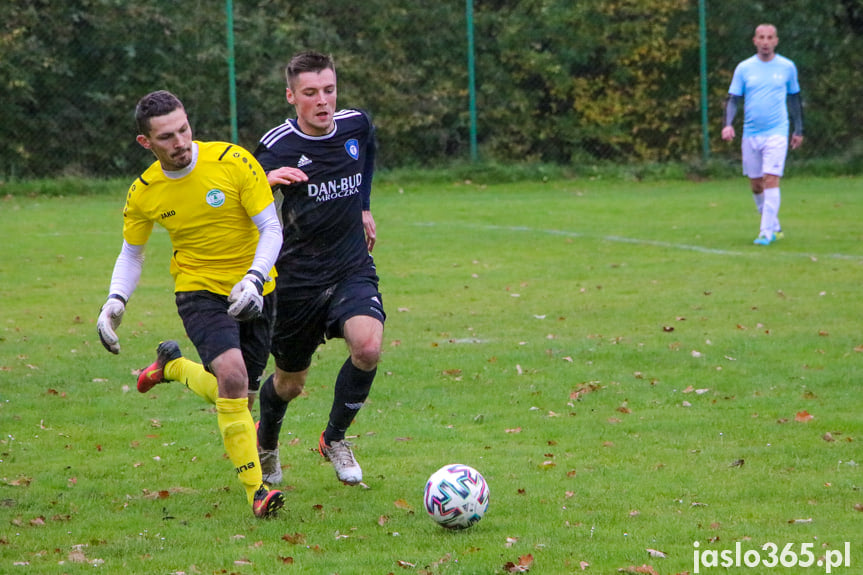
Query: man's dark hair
[(158, 103), (308, 62)]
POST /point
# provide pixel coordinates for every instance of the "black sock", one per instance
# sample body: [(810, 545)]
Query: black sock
[(352, 389), (273, 410)]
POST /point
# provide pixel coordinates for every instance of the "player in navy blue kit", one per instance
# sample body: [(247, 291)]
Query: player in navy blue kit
[(322, 162)]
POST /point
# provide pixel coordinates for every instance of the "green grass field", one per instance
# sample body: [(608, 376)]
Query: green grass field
[(625, 368)]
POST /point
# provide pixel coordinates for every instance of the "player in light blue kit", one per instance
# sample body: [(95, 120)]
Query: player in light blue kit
[(768, 83)]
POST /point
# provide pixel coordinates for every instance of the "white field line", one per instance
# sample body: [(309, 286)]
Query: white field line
[(755, 251)]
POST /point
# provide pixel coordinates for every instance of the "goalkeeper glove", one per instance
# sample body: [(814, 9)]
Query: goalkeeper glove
[(247, 299), (109, 319)]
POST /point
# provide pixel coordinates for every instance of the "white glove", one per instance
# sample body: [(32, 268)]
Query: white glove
[(109, 320), (246, 299)]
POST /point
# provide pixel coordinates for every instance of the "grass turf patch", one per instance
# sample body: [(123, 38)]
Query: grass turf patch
[(623, 366)]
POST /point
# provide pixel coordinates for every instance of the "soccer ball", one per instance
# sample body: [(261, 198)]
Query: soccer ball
[(456, 496)]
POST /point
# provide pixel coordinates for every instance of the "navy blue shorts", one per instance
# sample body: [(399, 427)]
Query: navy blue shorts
[(213, 331), (304, 321)]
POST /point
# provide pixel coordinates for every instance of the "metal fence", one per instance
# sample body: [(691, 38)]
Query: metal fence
[(626, 81)]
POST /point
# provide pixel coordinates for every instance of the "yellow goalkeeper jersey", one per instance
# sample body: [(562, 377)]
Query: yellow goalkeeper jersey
[(207, 212)]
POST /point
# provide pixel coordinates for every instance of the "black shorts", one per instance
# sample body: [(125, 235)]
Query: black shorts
[(213, 331), (304, 321)]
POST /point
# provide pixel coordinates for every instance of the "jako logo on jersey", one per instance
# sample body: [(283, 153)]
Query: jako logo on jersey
[(304, 161), (168, 214), (215, 198), (353, 148)]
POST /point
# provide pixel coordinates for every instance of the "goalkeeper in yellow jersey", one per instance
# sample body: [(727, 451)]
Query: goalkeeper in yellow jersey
[(214, 200)]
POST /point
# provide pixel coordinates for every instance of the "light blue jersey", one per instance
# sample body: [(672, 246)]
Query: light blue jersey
[(765, 87)]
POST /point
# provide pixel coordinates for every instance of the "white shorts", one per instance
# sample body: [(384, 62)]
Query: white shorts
[(764, 155)]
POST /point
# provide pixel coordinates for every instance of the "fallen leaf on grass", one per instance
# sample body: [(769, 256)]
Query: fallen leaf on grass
[(584, 389), (656, 553), (406, 565), (828, 437), (858, 506), (803, 417), (402, 504), (523, 565), (164, 493), (22, 481), (295, 539), (583, 565), (807, 520)]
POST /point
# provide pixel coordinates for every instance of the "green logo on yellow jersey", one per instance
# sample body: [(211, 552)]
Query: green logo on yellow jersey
[(215, 198)]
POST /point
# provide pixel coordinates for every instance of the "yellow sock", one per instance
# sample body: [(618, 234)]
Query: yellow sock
[(238, 434), (194, 376)]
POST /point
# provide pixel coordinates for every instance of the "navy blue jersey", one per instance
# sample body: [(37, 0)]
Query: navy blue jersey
[(324, 239)]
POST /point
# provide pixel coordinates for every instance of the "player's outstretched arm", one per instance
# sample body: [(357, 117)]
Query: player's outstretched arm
[(124, 279)]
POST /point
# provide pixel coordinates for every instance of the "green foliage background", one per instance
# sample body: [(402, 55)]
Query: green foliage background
[(558, 81)]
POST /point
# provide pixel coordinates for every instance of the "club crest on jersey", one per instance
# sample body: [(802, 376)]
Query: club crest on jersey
[(215, 198), (353, 148)]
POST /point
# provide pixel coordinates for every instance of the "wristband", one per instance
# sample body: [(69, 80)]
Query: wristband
[(117, 296), (258, 275)]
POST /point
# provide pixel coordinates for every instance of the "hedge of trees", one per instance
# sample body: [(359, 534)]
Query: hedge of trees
[(560, 81)]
